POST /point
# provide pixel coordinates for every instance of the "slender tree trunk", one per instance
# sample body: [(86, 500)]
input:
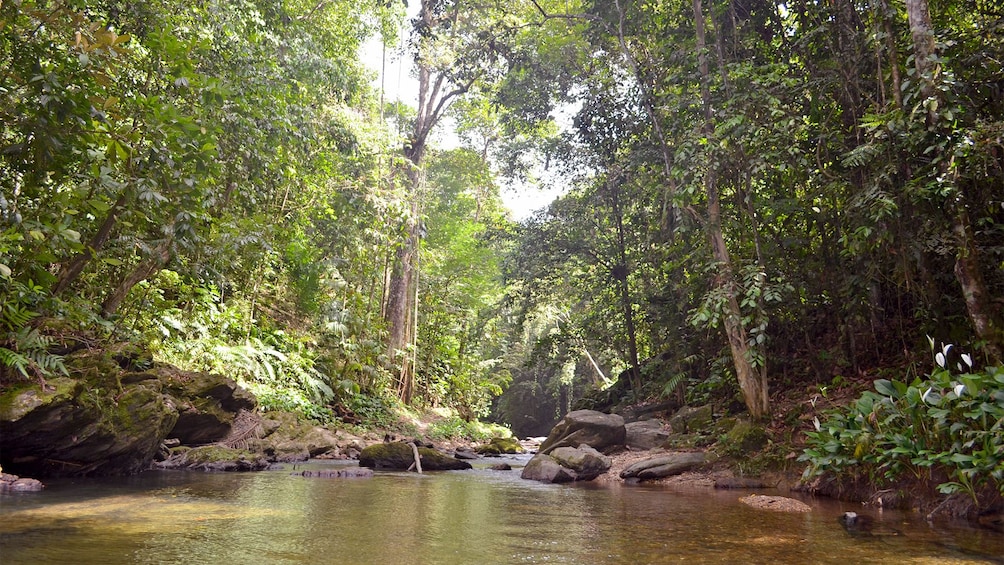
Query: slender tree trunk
[(621, 272), (435, 93), (72, 270), (752, 382), (144, 270), (399, 299), (968, 272)]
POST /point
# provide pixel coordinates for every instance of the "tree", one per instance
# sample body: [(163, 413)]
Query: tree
[(455, 45)]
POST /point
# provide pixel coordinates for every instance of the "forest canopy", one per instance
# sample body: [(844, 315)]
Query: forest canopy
[(758, 196)]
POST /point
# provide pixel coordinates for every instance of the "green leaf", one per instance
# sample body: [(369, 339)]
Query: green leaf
[(885, 387), (98, 205)]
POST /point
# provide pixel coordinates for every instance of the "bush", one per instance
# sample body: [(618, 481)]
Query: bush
[(945, 424), (458, 428)]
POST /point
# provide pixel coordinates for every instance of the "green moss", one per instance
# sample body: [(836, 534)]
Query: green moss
[(500, 445), (24, 397), (744, 438), (216, 454)]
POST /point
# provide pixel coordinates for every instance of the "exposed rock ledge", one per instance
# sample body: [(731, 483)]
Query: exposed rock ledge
[(118, 411)]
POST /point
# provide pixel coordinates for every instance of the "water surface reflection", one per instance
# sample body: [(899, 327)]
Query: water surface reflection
[(479, 516)]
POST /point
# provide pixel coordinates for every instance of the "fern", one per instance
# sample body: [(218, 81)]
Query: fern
[(673, 383), (14, 360), (15, 316), (22, 348), (31, 355)]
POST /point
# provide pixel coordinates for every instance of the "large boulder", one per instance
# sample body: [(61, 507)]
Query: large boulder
[(400, 456), (545, 469), (72, 427), (112, 413), (595, 429), (646, 434), (665, 465), (584, 461), (567, 464)]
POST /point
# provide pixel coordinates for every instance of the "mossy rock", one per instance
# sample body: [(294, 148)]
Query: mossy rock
[(744, 438), (688, 420), (22, 398), (400, 456), (111, 414), (77, 430), (500, 445)]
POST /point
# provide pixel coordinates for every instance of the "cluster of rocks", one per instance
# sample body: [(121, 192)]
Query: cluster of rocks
[(580, 445), (119, 412), (14, 483)]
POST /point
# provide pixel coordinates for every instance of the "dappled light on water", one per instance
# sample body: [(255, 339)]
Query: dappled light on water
[(479, 516)]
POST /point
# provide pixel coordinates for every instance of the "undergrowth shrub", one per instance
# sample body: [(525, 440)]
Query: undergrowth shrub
[(946, 425), (458, 428)]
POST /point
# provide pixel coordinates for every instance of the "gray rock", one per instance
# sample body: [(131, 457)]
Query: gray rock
[(465, 454), (545, 469), (595, 429), (665, 465), (346, 473), (14, 483), (585, 462), (646, 434)]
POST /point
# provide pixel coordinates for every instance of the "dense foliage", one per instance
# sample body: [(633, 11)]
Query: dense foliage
[(767, 195), (948, 428), (216, 182), (759, 196)]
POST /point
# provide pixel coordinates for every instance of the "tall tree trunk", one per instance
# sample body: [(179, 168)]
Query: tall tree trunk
[(399, 295), (621, 272), (752, 382), (968, 272), (435, 93)]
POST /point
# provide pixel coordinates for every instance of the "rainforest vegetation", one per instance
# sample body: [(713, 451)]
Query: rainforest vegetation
[(759, 199)]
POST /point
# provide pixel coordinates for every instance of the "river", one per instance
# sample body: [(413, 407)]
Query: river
[(463, 517)]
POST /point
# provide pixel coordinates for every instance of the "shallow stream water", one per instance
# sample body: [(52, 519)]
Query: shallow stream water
[(462, 517)]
